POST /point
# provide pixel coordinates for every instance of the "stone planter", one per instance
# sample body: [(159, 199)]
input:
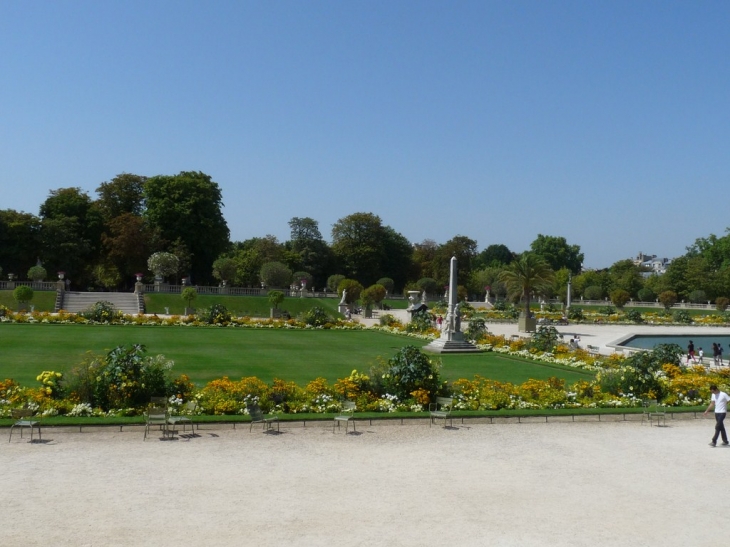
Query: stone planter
[(526, 324)]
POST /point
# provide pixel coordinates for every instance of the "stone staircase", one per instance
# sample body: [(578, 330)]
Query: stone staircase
[(126, 302)]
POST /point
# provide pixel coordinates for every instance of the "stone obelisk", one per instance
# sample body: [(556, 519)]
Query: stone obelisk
[(452, 339)]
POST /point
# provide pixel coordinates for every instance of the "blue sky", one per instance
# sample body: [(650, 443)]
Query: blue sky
[(607, 123)]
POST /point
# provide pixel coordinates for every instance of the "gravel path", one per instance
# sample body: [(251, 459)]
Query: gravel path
[(582, 483)]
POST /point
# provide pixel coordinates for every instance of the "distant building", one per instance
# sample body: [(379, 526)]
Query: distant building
[(652, 264)]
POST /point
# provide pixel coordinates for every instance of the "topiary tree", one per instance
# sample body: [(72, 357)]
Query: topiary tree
[(353, 288), (594, 292), (374, 294), (189, 294), (333, 282), (163, 264), (23, 294), (620, 297), (225, 269), (668, 299), (646, 295), (388, 283), (722, 303), (275, 298), (275, 274), (698, 297), (36, 273), (428, 284)]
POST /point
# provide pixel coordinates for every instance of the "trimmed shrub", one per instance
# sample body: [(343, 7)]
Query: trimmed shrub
[(101, 312), (214, 315), (316, 317)]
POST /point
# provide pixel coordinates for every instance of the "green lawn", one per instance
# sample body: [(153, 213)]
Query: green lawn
[(42, 300), (208, 353)]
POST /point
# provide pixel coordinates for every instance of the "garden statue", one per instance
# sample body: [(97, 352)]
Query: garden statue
[(344, 297)]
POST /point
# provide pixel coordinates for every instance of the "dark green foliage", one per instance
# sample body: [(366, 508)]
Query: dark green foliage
[(127, 379), (634, 316), (646, 295), (101, 312), (388, 320), (638, 375), (333, 282), (316, 317), (500, 305), (216, 314), (275, 298), (607, 310), (545, 338), (420, 322), (682, 316), (189, 294), (188, 206), (408, 370), (428, 284), (698, 297), (576, 314), (23, 293), (594, 292), (476, 330), (620, 297), (722, 303)]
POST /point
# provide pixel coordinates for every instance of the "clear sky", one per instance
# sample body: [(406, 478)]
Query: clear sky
[(607, 123)]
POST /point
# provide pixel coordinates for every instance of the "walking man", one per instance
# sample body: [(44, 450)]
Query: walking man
[(719, 400)]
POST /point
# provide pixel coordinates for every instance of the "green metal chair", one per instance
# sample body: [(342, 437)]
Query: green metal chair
[(346, 415), (22, 419), (441, 410), (257, 417), (189, 408)]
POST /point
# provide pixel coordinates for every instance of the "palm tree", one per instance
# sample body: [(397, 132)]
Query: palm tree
[(525, 275)]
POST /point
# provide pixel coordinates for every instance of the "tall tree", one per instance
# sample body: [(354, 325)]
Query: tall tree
[(71, 228), (626, 275), (19, 243), (357, 242), (397, 262), (557, 253), (188, 206), (314, 255), (530, 273), (123, 194), (424, 256), (495, 256), (128, 242), (465, 251)]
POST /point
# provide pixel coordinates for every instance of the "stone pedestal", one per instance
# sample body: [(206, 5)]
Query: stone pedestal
[(139, 287)]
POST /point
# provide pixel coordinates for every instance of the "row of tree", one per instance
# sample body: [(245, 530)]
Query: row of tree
[(106, 241)]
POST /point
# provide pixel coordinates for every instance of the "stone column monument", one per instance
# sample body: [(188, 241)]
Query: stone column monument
[(452, 339)]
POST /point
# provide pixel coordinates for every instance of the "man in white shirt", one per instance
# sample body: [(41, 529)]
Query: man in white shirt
[(719, 400)]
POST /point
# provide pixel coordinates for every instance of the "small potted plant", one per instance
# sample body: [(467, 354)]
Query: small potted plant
[(22, 295), (189, 294)]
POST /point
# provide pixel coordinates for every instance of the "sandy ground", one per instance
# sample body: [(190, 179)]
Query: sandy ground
[(558, 483)]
